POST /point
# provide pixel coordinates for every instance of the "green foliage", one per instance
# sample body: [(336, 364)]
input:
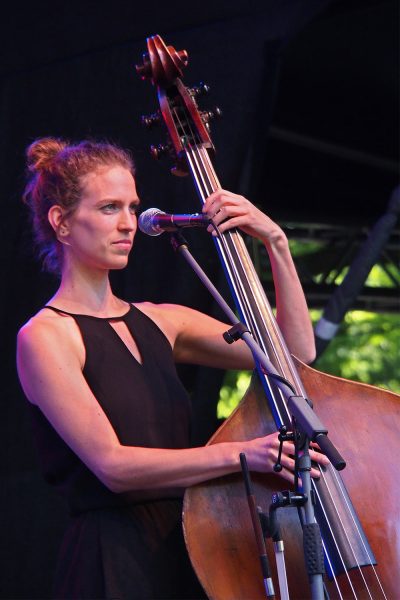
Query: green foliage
[(233, 389), (302, 248), (365, 349), (380, 278)]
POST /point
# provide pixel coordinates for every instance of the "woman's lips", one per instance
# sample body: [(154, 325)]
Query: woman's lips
[(123, 243)]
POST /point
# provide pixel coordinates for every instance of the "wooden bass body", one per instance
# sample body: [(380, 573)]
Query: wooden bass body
[(364, 423)]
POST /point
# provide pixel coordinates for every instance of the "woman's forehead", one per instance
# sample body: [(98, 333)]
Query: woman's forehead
[(113, 180)]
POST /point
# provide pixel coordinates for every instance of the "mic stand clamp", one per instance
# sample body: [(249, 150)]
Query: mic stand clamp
[(235, 333), (282, 437)]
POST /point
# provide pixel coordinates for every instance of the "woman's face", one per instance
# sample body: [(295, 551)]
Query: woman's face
[(102, 228)]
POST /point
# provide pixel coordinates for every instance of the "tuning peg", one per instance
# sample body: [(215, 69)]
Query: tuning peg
[(144, 70), (200, 90), (160, 150), (209, 115), (149, 121), (217, 113)]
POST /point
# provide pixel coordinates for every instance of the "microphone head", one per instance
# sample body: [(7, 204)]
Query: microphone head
[(145, 221)]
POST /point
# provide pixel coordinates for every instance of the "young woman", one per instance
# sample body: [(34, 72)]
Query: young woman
[(111, 418)]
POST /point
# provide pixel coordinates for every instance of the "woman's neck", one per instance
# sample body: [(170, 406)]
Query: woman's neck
[(87, 292)]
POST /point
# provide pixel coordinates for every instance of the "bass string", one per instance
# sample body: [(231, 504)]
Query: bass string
[(331, 529), (207, 182), (260, 301), (332, 532), (339, 482), (327, 558), (327, 485), (233, 260), (199, 176), (199, 171), (234, 264), (340, 485), (198, 166), (236, 282), (355, 524)]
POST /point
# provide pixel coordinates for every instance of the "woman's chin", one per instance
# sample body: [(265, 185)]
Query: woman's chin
[(119, 264)]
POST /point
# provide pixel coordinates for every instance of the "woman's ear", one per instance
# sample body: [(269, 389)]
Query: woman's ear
[(56, 216)]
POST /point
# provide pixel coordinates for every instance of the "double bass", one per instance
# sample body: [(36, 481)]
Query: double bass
[(358, 511)]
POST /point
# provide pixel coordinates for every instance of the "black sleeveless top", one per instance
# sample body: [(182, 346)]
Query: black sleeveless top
[(145, 403)]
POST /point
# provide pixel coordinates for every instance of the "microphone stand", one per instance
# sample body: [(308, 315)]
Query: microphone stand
[(303, 418)]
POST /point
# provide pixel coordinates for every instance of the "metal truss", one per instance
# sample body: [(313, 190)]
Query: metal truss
[(323, 253)]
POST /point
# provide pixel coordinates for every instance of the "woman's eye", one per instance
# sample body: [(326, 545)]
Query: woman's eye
[(109, 207)]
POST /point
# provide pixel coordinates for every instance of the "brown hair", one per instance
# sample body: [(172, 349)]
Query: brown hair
[(55, 172)]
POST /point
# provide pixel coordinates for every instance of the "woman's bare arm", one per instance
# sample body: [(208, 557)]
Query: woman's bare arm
[(51, 375)]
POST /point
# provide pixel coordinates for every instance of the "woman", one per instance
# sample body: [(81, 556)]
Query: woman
[(110, 415)]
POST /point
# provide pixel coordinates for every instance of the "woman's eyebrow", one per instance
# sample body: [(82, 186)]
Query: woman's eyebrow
[(110, 199)]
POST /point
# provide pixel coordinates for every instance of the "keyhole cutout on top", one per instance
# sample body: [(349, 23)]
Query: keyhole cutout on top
[(125, 336)]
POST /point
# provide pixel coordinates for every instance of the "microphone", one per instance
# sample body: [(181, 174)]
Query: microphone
[(154, 221)]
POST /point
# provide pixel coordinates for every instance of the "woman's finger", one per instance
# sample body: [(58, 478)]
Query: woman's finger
[(319, 457)]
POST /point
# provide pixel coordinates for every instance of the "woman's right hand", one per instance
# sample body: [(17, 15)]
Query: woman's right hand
[(262, 453)]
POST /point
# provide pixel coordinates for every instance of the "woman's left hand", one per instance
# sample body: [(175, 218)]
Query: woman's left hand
[(228, 210)]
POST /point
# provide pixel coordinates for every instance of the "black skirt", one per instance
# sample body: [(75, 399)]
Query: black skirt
[(130, 553)]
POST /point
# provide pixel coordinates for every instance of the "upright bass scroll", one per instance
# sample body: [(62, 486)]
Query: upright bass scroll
[(216, 522)]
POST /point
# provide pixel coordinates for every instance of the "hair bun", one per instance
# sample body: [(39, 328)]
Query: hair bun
[(41, 152)]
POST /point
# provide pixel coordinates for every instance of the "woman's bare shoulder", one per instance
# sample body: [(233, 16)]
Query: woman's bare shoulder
[(44, 323), (50, 329)]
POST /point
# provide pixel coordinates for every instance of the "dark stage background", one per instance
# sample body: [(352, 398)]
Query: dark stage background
[(309, 94)]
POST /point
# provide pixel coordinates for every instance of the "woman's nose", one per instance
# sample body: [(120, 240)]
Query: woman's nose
[(127, 220)]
